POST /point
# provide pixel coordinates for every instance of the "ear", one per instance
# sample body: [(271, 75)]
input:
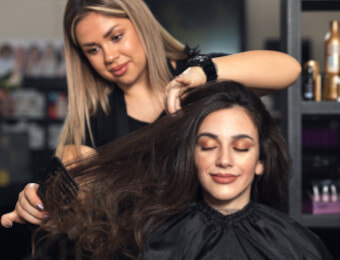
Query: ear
[(259, 168)]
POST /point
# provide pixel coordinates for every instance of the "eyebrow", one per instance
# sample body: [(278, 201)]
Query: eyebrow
[(235, 137), (107, 34), (208, 135)]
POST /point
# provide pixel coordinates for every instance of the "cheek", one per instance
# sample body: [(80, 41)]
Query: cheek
[(136, 48), (203, 161), (95, 62)]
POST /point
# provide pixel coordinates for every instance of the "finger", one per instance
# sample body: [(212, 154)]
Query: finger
[(178, 103), (28, 211), (8, 219), (171, 100), (30, 194), (25, 215), (185, 82)]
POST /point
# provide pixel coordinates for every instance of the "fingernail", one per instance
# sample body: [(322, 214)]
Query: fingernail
[(39, 207), (45, 217), (8, 225)]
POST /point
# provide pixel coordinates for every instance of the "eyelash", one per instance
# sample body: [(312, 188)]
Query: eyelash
[(117, 37), (207, 148), (236, 149), (92, 51), (241, 150)]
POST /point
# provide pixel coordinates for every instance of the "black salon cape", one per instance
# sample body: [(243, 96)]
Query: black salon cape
[(256, 232)]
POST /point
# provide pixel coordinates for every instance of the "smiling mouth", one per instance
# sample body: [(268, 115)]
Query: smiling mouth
[(224, 178), (120, 69)]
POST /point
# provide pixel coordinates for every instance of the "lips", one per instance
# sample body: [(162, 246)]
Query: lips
[(120, 69), (224, 178)]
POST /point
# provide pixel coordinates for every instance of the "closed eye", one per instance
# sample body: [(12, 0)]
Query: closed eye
[(207, 148), (241, 150)]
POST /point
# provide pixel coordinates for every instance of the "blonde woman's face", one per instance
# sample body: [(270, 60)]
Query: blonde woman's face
[(113, 48), (227, 157)]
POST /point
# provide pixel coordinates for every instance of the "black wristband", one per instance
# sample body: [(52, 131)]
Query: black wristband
[(205, 62)]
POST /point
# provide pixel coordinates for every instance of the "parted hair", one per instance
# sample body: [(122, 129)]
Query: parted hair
[(87, 90), (135, 183)]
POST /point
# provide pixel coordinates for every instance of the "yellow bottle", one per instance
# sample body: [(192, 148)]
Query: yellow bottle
[(332, 49)]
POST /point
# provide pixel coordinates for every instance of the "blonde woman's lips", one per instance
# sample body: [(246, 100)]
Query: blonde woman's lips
[(120, 69)]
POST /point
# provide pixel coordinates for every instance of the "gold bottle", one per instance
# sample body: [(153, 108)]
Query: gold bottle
[(331, 85), (312, 81), (332, 49)]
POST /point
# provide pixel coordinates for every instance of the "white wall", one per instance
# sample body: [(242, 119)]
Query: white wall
[(263, 22), (31, 19)]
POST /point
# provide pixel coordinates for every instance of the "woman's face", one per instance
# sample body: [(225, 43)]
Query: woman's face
[(227, 157), (113, 48)]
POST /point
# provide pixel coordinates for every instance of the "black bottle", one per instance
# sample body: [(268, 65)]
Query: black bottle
[(308, 84)]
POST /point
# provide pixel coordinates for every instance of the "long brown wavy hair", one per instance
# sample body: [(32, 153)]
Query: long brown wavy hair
[(135, 183)]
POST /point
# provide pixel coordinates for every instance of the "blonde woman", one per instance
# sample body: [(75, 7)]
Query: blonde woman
[(124, 70)]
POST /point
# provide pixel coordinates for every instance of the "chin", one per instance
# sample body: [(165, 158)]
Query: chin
[(220, 197)]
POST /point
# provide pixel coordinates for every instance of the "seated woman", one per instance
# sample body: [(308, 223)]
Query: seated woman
[(193, 186)]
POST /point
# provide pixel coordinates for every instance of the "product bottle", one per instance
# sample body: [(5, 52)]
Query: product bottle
[(308, 83), (330, 87), (332, 49), (311, 89)]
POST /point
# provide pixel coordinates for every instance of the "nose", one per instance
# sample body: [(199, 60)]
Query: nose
[(224, 159), (110, 54)]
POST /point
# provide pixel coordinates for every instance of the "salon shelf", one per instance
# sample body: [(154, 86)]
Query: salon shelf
[(323, 5), (297, 110), (320, 108), (318, 221), (13, 120), (45, 83)]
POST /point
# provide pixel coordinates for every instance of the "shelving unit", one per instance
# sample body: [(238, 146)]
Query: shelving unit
[(295, 108), (40, 155), (320, 108)]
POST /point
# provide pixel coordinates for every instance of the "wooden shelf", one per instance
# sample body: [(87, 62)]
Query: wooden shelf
[(318, 221), (323, 5), (320, 108)]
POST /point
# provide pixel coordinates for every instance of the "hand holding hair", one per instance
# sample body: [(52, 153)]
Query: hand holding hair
[(192, 77), (29, 207)]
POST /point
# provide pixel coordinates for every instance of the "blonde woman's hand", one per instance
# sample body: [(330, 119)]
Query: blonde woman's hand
[(192, 77), (28, 208)]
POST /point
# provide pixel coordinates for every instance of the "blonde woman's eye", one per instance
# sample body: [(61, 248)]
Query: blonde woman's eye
[(117, 37), (92, 51)]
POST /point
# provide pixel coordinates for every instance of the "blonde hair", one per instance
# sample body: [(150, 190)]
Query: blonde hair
[(86, 89)]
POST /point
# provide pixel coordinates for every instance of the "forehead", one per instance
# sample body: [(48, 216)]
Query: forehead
[(229, 121), (98, 24)]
